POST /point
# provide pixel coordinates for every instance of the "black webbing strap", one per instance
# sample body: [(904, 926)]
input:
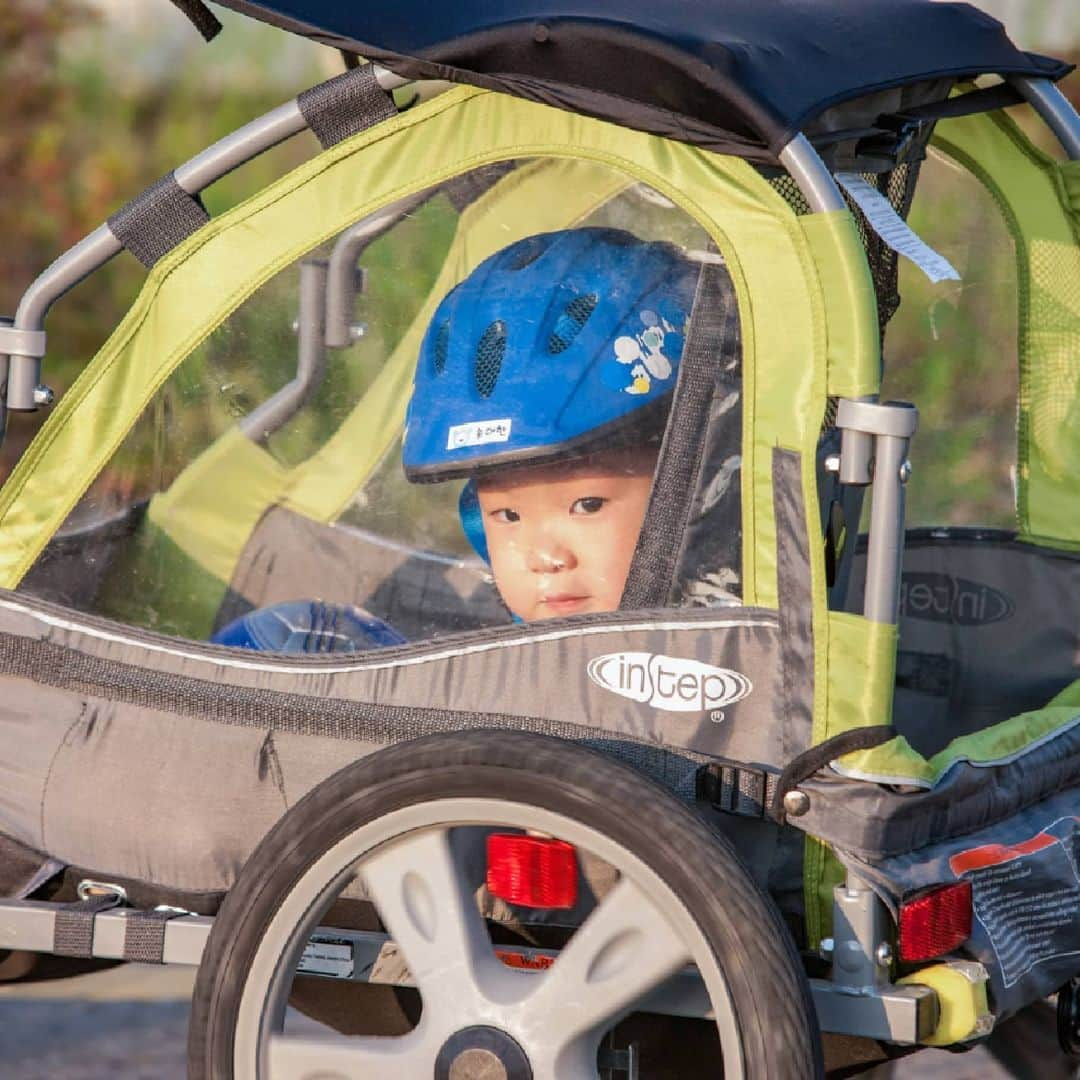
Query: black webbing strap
[(201, 17), (737, 789), (656, 557), (153, 223), (73, 927), (985, 99), (817, 757), (144, 934), (345, 105)]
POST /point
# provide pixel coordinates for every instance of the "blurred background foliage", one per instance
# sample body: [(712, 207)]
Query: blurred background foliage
[(102, 98)]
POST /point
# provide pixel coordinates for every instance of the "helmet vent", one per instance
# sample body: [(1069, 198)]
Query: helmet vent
[(441, 348), (489, 358), (571, 322)]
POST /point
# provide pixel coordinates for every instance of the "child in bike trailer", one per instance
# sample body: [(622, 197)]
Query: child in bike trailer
[(545, 379)]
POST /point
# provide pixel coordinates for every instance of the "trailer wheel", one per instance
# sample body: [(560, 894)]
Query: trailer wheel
[(681, 900)]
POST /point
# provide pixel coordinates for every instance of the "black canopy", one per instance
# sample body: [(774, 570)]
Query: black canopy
[(730, 74)]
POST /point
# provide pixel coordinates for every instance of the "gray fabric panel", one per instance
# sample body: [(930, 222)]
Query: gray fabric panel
[(796, 603), (988, 629), (345, 105), (291, 557), (144, 936), (159, 219), (1025, 890), (35, 721), (876, 821), (546, 664), (173, 779), (170, 799)]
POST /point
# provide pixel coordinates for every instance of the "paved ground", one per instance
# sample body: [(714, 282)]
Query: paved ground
[(130, 1023)]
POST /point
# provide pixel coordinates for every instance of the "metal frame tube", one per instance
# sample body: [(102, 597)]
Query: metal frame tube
[(812, 175), (95, 250), (1052, 105), (340, 285), (311, 358)]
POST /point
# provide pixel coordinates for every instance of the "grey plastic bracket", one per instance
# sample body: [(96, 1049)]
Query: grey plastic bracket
[(873, 449), (20, 342), (859, 998)]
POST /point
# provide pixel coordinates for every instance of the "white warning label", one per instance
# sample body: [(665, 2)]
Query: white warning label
[(894, 230), (1027, 896), (332, 957)]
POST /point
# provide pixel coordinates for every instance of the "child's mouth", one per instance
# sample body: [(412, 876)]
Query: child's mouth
[(563, 603)]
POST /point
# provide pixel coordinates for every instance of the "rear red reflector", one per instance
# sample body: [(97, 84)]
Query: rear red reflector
[(532, 871), (936, 922)]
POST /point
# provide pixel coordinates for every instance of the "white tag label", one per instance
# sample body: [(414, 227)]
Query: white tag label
[(477, 433), (331, 957), (894, 230)]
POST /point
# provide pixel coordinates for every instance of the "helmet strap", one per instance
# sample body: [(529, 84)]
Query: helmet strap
[(472, 521)]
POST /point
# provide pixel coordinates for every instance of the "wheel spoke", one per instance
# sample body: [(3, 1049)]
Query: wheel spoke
[(622, 951), (300, 1057), (432, 915)]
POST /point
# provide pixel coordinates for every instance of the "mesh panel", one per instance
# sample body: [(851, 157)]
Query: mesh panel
[(442, 348), (787, 187), (489, 358), (898, 186), (571, 321)]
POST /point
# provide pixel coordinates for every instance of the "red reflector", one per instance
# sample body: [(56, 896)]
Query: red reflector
[(532, 871), (936, 922)]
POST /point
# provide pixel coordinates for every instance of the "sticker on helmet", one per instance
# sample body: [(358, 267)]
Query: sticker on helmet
[(478, 433), (645, 354)]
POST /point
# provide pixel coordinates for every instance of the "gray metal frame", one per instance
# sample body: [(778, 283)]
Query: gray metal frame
[(22, 346), (858, 1000), (328, 292)]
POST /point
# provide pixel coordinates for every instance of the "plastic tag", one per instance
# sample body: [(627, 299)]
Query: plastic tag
[(894, 230)]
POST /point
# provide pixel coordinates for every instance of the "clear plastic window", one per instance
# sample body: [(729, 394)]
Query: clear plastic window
[(952, 349), (538, 308)]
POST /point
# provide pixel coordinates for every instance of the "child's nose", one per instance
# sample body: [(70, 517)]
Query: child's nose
[(548, 556)]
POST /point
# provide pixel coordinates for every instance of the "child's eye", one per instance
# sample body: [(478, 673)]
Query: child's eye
[(591, 504), (507, 515)]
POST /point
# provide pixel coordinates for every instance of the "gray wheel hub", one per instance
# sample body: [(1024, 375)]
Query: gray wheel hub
[(481, 1053)]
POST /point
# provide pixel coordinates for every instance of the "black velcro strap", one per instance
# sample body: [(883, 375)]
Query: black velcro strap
[(73, 927), (817, 757), (159, 219), (201, 17), (144, 935), (660, 541), (345, 105), (736, 789)]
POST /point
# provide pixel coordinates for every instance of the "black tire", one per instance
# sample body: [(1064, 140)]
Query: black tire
[(769, 993)]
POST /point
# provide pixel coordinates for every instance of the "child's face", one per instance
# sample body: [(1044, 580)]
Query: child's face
[(561, 537)]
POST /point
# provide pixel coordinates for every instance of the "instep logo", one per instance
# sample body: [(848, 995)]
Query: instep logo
[(669, 682)]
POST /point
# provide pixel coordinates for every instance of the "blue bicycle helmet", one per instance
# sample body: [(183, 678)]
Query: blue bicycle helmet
[(560, 343)]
